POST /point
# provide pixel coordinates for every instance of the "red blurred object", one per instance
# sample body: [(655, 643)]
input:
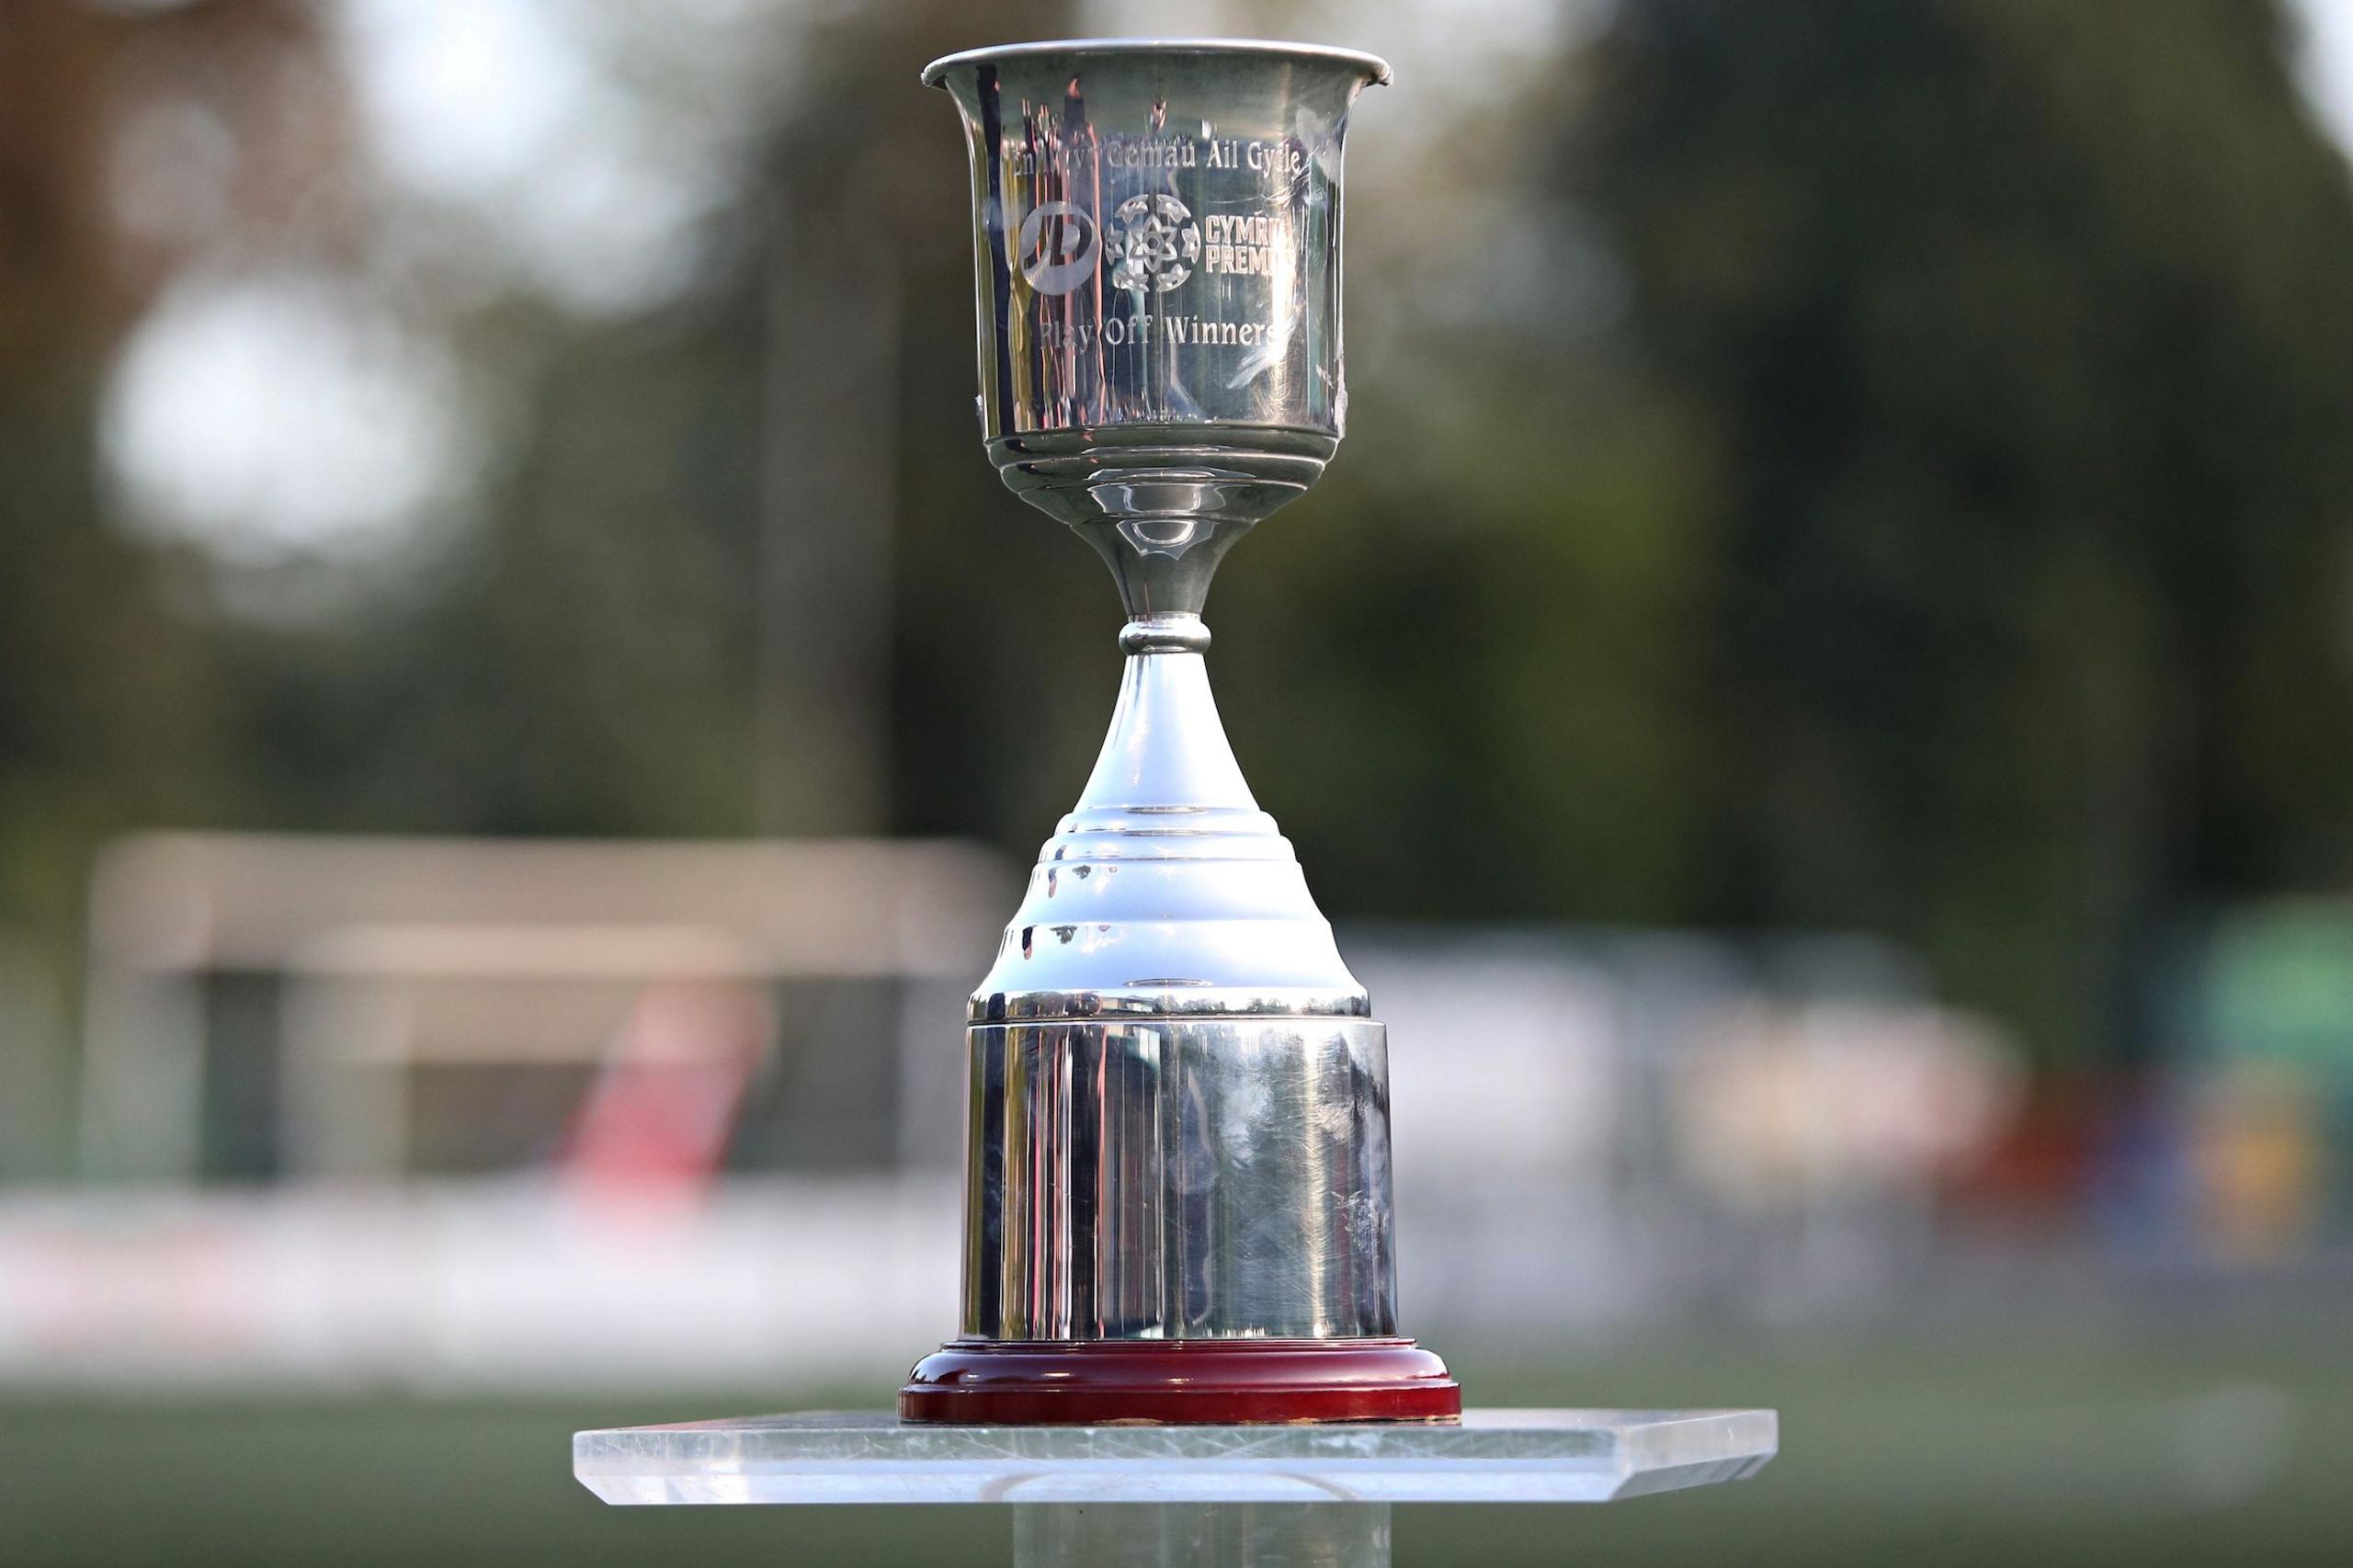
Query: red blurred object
[(1194, 1383), (2041, 1169), (657, 1120)]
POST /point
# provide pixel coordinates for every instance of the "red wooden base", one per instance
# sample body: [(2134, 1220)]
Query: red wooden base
[(1186, 1383)]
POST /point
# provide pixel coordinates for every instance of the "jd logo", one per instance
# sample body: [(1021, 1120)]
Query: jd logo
[(1152, 243), (1058, 247)]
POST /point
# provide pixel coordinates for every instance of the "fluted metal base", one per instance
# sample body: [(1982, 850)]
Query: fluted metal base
[(1168, 1180)]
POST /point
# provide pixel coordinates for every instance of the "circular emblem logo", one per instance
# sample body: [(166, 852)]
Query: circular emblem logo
[(1058, 247), (1153, 243)]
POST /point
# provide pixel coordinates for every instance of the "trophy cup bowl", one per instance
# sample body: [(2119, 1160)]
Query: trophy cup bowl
[(1178, 1175)]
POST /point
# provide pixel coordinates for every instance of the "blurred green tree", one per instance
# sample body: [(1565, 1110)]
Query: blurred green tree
[(110, 702), (2021, 336)]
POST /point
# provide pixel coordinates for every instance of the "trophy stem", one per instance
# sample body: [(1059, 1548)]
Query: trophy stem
[(1167, 750)]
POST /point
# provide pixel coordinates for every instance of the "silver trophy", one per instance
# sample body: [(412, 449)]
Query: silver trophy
[(1177, 1191)]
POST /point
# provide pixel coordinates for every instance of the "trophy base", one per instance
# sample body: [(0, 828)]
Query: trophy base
[(1177, 1382)]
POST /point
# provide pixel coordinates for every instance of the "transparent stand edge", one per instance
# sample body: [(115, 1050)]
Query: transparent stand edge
[(1496, 1456)]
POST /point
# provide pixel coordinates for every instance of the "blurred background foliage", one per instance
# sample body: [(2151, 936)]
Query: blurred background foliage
[(1851, 464)]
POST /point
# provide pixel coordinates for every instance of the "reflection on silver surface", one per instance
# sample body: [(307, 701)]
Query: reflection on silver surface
[(1180, 1179), (1166, 892), (1156, 241), (1179, 1104), (1159, 233)]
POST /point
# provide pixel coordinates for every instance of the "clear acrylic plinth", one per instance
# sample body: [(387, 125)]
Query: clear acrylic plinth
[(1182, 1496), (1494, 1455)]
